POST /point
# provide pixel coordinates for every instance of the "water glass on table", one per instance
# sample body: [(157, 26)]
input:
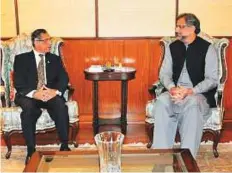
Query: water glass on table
[(109, 144)]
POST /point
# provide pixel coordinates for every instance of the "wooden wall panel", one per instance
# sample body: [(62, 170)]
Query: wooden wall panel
[(79, 54), (154, 62), (143, 54), (228, 86), (139, 54)]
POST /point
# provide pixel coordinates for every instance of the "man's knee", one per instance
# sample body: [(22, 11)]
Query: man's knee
[(29, 109), (164, 100), (29, 105), (193, 109), (192, 100), (163, 103), (57, 103)]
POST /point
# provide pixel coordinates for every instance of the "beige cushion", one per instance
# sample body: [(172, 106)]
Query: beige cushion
[(214, 121), (11, 118)]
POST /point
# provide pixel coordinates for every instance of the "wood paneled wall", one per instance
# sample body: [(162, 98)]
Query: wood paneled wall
[(143, 54), (228, 86)]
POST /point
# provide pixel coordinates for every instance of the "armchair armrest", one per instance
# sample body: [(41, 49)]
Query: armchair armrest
[(156, 89), (219, 98), (2, 96), (221, 45), (70, 92)]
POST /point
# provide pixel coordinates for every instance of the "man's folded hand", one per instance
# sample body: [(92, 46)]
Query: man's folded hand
[(179, 93), (44, 94)]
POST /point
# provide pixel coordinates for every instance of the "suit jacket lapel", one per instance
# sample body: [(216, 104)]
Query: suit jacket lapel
[(47, 61), (33, 62)]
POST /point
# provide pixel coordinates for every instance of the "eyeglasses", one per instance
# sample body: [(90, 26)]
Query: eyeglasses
[(182, 26), (46, 40)]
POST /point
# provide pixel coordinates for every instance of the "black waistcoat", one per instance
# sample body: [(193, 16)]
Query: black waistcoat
[(195, 63)]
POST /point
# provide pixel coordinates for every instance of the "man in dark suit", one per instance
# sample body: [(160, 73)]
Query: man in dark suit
[(40, 80)]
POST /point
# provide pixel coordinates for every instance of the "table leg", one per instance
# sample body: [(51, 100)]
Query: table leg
[(95, 107), (124, 106)]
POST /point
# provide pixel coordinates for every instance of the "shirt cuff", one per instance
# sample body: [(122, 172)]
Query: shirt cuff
[(170, 86), (30, 94), (196, 90), (58, 93)]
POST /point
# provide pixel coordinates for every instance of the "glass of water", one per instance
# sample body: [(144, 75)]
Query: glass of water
[(109, 146)]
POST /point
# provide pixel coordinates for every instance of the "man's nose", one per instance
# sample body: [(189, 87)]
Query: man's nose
[(176, 33), (50, 42)]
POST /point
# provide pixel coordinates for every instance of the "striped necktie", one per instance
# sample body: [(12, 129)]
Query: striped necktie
[(40, 72)]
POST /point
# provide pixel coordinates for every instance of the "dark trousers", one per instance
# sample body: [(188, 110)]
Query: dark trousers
[(31, 111)]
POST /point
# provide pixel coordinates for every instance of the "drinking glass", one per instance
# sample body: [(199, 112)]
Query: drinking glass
[(109, 144)]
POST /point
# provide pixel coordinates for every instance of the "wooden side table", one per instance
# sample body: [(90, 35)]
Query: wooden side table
[(124, 75)]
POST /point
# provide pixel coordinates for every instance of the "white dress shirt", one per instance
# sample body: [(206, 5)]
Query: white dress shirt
[(37, 60)]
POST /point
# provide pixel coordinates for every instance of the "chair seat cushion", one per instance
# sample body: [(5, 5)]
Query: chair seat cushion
[(11, 118), (214, 122)]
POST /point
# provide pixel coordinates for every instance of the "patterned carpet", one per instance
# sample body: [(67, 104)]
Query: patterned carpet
[(208, 163), (205, 158)]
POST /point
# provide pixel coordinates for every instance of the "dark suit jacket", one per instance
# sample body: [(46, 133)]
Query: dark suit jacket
[(25, 73)]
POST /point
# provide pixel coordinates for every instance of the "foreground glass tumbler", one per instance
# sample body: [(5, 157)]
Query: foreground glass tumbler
[(109, 146)]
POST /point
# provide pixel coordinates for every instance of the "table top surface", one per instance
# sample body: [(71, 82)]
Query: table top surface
[(116, 70), (146, 160), (119, 74)]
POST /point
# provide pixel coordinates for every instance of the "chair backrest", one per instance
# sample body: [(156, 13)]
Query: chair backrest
[(220, 47), (12, 47)]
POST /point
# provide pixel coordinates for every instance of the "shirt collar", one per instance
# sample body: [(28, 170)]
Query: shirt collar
[(37, 53)]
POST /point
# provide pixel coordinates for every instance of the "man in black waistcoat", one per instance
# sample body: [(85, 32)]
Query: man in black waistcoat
[(40, 80), (189, 73)]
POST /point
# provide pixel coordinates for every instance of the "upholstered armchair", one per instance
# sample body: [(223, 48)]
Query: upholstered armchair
[(212, 128), (10, 113)]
